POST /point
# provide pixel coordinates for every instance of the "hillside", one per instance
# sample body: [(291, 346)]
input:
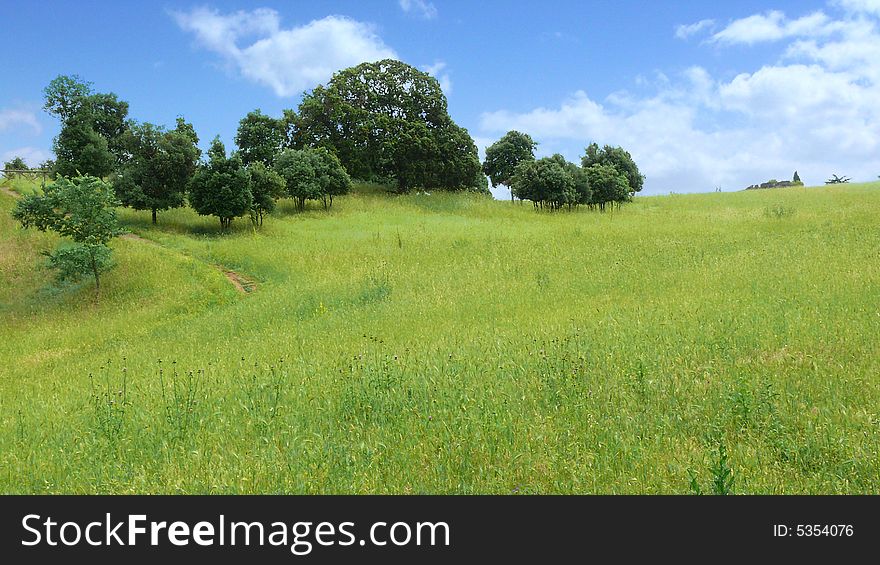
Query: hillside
[(448, 343)]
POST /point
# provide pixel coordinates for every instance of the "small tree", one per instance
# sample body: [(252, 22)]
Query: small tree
[(16, 164), (618, 158), (796, 177), (547, 182), (608, 185), (83, 209), (298, 168), (267, 186), (331, 176), (221, 187), (504, 155), (160, 166), (259, 138)]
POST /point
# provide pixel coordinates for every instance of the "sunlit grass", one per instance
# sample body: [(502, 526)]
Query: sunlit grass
[(449, 343)]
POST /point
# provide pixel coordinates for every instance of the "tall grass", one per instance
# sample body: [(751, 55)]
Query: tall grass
[(446, 343)]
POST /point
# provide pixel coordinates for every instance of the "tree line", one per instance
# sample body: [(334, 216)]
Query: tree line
[(606, 176)]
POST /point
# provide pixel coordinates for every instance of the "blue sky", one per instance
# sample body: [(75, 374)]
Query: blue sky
[(704, 94)]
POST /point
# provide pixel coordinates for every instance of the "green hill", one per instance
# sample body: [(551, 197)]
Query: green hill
[(447, 343)]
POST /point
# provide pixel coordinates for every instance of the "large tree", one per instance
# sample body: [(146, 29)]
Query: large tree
[(86, 118), (221, 187), (388, 121), (65, 95), (80, 150), (618, 158), (504, 155), (259, 138), (159, 167), (83, 209)]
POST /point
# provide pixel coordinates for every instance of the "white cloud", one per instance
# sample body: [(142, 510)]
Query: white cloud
[(288, 60), (860, 6), (11, 118), (774, 26), (33, 156), (436, 71), (421, 8), (686, 31)]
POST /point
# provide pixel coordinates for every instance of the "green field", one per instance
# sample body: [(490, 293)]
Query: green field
[(447, 343)]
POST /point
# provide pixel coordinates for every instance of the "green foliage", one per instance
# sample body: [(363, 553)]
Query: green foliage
[(221, 187), (65, 95), (722, 475), (618, 158), (796, 178), (550, 182), (608, 185), (81, 151), (266, 186), (504, 155), (388, 120), (78, 260), (17, 164), (83, 209), (259, 138), (159, 167), (312, 174), (93, 127)]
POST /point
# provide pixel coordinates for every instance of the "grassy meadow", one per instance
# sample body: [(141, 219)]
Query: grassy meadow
[(448, 343)]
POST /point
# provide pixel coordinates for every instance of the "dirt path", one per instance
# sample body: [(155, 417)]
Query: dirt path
[(6, 190), (241, 283)]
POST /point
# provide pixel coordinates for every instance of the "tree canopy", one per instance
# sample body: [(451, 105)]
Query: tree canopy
[(504, 155), (312, 174), (159, 166), (618, 158), (259, 138), (93, 127), (221, 187), (388, 121), (266, 186)]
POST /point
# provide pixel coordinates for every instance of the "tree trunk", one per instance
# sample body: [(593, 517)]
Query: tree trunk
[(154, 215)]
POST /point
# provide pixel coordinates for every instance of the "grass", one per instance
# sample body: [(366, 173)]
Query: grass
[(446, 343)]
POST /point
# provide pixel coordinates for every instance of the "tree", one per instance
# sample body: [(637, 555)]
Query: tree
[(259, 138), (108, 115), (266, 186), (618, 158), (80, 150), (387, 121), (159, 167), (548, 182), (85, 117), (83, 209), (332, 178), (504, 155), (221, 187), (65, 95), (16, 164), (608, 185), (796, 177)]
